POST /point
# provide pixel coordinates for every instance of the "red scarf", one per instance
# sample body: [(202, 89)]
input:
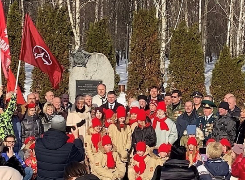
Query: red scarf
[(110, 160), (107, 124), (71, 138), (194, 157), (142, 166), (163, 125), (96, 138), (132, 121), (146, 125), (122, 125)]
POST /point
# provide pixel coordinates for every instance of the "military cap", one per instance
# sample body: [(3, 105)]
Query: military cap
[(207, 104), (197, 94)]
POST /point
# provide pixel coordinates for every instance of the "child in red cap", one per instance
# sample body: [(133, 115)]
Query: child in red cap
[(110, 118), (151, 113), (142, 166), (163, 154), (120, 134), (192, 150), (227, 152), (30, 160), (133, 121), (107, 163)]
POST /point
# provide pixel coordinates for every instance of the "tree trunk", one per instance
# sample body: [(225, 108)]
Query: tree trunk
[(204, 39), (186, 13), (78, 39), (96, 13), (22, 12), (157, 8), (200, 16), (230, 27), (101, 9), (163, 34), (135, 6), (240, 30)]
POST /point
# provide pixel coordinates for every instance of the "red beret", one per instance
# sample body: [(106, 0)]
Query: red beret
[(32, 105), (165, 148), (141, 115), (96, 122), (225, 142), (192, 141), (108, 113), (106, 140), (209, 141), (27, 140), (134, 110), (121, 112), (161, 105), (141, 146)]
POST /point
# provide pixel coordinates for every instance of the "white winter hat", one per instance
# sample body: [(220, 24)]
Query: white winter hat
[(135, 104)]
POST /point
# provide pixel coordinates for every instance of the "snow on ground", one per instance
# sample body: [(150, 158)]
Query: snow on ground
[(208, 75), (122, 71)]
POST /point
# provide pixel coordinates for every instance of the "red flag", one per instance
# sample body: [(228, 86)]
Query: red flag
[(11, 85), (4, 43), (34, 51)]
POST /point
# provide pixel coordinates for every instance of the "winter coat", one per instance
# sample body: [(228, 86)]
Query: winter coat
[(122, 140), (8, 173), (164, 136), (217, 167), (174, 114), (12, 162), (159, 98), (225, 127), (184, 120), (31, 126), (199, 138), (228, 157), (75, 117), (238, 167), (6, 125), (159, 161), (100, 168), (53, 153), (98, 100), (88, 177), (149, 171), (240, 133), (106, 106), (46, 121), (235, 113), (176, 169), (147, 135)]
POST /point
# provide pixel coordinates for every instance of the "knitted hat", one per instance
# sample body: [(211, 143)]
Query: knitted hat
[(192, 141), (191, 130), (224, 105), (141, 146), (135, 104), (108, 113), (238, 149), (153, 102), (209, 141), (161, 105), (134, 110), (58, 122), (28, 139), (165, 148), (96, 122), (225, 142), (32, 146), (141, 115), (106, 140), (32, 105), (121, 112)]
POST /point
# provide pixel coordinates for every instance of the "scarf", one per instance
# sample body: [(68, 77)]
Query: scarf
[(111, 164), (80, 110), (107, 124), (132, 121), (96, 137), (71, 138), (163, 125), (122, 125), (191, 157), (142, 166)]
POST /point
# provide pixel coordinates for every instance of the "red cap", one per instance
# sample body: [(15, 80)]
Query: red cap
[(134, 110), (121, 112), (192, 141), (165, 148), (32, 146), (106, 139), (209, 141), (161, 105), (225, 142), (153, 102), (27, 140), (32, 105), (96, 122), (108, 113), (141, 146), (141, 115)]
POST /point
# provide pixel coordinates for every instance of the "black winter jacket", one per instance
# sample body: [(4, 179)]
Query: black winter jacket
[(176, 169), (53, 153), (147, 134), (31, 126)]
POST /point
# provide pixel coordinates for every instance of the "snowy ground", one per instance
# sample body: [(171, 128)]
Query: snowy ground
[(122, 71)]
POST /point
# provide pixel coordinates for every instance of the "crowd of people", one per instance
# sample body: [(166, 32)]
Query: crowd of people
[(152, 137)]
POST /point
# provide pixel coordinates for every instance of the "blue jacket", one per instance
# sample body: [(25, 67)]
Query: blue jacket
[(5, 156), (217, 167), (53, 153)]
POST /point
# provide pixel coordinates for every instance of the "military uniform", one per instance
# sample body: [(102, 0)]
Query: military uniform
[(174, 114), (199, 111)]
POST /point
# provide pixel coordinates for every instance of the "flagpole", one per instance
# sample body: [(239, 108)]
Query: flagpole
[(17, 77)]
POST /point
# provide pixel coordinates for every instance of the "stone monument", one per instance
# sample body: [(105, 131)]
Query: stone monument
[(87, 71)]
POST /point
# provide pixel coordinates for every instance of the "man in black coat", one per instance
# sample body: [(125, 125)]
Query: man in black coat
[(111, 102), (154, 95), (53, 152)]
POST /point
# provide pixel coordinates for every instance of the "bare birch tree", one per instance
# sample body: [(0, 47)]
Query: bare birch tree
[(240, 31), (229, 39)]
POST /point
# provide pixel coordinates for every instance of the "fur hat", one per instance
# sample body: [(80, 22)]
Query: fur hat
[(96, 122), (161, 105), (121, 112), (141, 146), (106, 139), (224, 105)]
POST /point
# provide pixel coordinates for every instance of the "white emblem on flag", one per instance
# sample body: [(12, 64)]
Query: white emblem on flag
[(40, 52)]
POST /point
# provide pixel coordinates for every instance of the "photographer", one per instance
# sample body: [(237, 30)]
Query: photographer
[(53, 152)]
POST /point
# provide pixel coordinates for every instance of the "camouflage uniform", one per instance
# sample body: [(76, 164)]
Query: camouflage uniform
[(174, 114), (6, 126)]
